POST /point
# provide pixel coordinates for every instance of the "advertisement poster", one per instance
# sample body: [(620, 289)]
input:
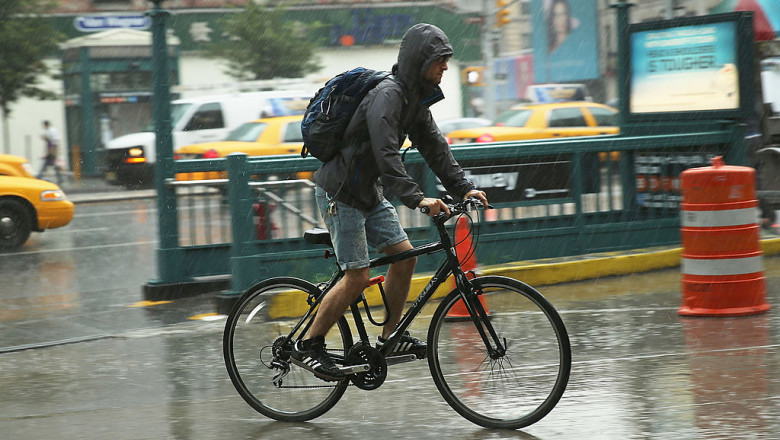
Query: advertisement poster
[(565, 40), (689, 68), (658, 176)]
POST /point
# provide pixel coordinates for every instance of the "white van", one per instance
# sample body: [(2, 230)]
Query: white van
[(130, 159)]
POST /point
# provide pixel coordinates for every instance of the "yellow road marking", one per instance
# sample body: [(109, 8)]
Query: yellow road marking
[(148, 303), (206, 317)]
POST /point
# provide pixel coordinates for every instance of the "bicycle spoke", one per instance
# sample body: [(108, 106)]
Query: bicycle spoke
[(512, 390), (257, 355)]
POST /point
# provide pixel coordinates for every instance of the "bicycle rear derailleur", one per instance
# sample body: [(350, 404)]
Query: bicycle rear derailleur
[(280, 352)]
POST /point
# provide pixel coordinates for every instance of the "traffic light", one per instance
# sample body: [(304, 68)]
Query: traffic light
[(502, 13), (473, 76)]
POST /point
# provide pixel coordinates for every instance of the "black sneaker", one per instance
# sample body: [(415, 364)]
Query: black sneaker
[(311, 355), (408, 344)]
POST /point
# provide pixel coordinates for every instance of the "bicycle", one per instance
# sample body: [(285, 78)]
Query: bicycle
[(506, 365)]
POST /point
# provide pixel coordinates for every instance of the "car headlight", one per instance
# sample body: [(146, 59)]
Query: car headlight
[(52, 195), (135, 155)]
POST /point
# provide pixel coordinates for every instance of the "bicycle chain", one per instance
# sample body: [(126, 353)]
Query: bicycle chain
[(315, 386)]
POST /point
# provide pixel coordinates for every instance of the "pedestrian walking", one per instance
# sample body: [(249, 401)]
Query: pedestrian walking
[(51, 139)]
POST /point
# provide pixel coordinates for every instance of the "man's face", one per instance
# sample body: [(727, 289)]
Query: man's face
[(436, 70)]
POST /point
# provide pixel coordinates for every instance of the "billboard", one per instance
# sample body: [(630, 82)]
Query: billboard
[(691, 68), (565, 40), (684, 68)]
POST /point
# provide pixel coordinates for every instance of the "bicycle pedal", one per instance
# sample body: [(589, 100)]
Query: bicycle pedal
[(354, 369), (392, 360)]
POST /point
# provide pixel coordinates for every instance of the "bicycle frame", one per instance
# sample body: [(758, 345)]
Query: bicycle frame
[(451, 266)]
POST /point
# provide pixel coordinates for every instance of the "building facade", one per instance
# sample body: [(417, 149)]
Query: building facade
[(376, 26)]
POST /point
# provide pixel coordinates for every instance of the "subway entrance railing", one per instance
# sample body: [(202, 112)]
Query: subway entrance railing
[(554, 198)]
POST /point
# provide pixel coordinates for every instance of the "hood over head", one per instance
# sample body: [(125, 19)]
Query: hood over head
[(421, 45)]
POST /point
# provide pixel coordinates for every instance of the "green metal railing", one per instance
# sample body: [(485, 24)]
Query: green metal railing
[(612, 215), (611, 193)]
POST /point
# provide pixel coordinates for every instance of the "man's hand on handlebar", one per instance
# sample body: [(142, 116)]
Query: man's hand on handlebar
[(477, 194), (432, 207)]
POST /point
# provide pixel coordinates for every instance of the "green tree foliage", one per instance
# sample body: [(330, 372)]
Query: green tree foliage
[(25, 40), (262, 45)]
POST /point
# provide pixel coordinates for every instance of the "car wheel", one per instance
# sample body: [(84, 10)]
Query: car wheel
[(15, 224)]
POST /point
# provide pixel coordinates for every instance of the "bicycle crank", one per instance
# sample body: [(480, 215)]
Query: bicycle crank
[(360, 355)]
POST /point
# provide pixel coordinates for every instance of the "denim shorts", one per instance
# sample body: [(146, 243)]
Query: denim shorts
[(353, 231)]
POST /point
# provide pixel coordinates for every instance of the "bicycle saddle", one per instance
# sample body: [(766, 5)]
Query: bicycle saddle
[(318, 236)]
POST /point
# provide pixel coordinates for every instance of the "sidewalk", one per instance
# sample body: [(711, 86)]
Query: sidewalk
[(96, 189)]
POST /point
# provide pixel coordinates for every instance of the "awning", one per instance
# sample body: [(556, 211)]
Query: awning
[(766, 15)]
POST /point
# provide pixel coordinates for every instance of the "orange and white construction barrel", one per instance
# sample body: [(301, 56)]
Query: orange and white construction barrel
[(722, 263)]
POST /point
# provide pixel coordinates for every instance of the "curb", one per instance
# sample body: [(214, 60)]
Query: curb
[(543, 272), (84, 198)]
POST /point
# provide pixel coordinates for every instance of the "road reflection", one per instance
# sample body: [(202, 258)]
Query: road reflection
[(731, 386)]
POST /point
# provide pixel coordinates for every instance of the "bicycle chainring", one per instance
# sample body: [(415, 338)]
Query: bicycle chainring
[(280, 350), (365, 354)]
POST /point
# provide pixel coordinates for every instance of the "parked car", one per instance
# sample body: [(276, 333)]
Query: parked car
[(28, 204), (15, 166), (261, 137), (539, 121)]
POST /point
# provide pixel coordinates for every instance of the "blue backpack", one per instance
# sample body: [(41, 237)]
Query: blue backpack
[(331, 109)]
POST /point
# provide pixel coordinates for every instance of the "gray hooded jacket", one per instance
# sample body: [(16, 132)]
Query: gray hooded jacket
[(397, 107)]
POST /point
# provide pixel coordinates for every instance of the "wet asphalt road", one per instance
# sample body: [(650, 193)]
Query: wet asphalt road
[(82, 357)]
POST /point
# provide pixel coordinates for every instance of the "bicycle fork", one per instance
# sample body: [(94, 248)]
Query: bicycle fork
[(496, 348)]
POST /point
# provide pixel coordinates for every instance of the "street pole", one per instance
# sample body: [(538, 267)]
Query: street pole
[(168, 266), (623, 20), (487, 55)]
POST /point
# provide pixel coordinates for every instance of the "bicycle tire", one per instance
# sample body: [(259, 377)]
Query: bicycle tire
[(266, 313), (514, 390), (16, 224)]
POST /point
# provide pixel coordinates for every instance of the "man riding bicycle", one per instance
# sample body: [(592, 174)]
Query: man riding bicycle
[(350, 197)]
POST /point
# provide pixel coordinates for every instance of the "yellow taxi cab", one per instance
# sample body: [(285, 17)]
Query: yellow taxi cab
[(540, 121), (11, 165), (261, 137), (28, 204)]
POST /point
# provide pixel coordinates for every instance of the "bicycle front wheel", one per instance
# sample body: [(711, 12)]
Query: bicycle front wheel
[(257, 352), (509, 390)]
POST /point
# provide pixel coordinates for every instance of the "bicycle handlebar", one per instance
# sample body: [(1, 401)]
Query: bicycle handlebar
[(456, 208)]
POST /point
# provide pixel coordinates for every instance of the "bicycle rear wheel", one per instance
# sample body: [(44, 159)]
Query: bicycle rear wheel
[(255, 352), (508, 391)]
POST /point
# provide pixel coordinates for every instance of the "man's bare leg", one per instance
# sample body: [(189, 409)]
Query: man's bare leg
[(397, 283), (338, 300)]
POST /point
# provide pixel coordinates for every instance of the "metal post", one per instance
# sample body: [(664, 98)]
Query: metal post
[(628, 180), (487, 56), (623, 54), (240, 198), (87, 142), (168, 253)]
